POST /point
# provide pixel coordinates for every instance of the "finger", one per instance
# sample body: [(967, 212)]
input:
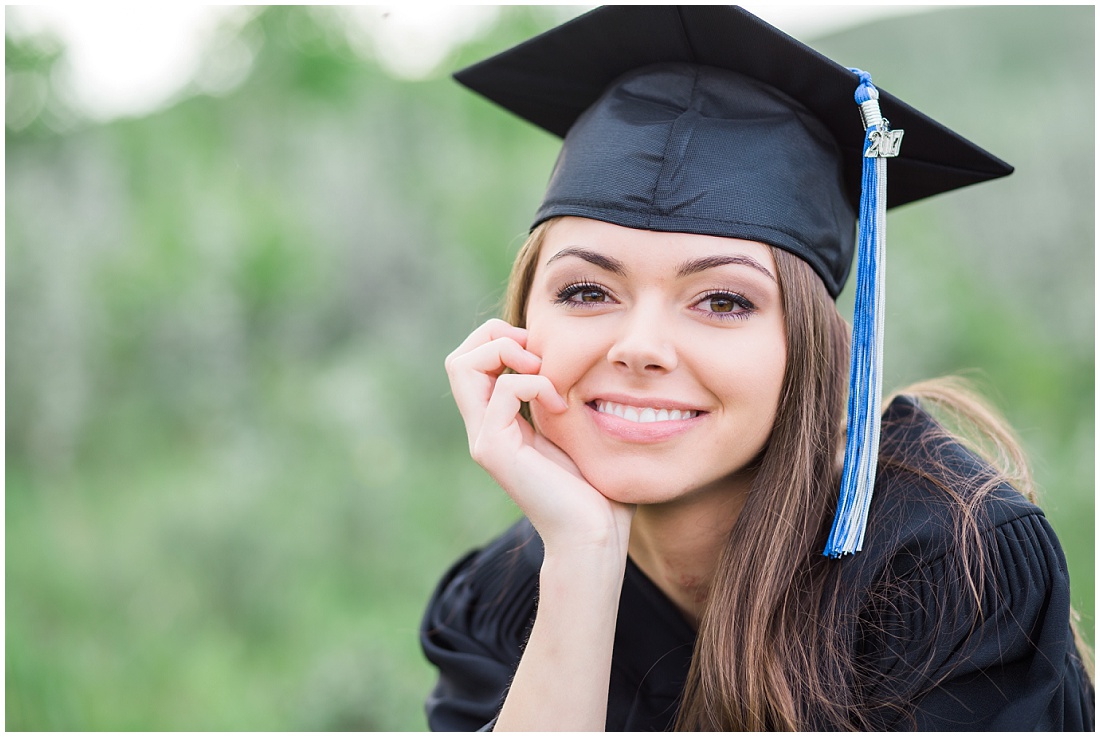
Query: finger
[(495, 356), (489, 331), (510, 392), (474, 376)]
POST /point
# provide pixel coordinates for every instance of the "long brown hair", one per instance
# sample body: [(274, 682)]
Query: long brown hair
[(775, 647), (763, 603)]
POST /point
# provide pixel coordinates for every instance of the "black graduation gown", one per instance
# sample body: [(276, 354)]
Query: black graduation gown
[(1018, 671)]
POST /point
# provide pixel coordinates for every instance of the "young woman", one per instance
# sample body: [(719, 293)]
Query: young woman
[(665, 401)]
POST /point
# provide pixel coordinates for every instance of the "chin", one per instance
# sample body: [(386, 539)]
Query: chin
[(633, 480)]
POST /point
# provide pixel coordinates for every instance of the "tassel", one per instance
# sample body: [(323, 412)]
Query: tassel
[(865, 387)]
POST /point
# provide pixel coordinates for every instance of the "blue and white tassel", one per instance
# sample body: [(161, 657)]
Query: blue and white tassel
[(865, 388)]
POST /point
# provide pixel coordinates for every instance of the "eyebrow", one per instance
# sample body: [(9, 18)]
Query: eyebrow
[(709, 262), (597, 259), (686, 269)]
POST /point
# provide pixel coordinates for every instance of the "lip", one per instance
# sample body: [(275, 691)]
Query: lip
[(655, 402), (643, 432)]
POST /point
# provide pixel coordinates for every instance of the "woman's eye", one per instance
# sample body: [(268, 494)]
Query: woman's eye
[(726, 304), (583, 294)]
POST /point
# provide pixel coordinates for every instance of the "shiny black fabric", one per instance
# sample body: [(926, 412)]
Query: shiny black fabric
[(770, 151), (1018, 671)]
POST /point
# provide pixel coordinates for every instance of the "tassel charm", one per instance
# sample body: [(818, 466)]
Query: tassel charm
[(865, 385)]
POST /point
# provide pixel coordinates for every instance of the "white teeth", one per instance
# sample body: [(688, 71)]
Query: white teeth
[(644, 414)]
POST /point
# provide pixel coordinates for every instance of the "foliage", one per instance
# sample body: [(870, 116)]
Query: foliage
[(233, 470)]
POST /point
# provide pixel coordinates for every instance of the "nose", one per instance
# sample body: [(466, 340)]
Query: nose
[(644, 342)]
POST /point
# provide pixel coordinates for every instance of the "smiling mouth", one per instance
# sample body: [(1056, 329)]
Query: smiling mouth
[(643, 414)]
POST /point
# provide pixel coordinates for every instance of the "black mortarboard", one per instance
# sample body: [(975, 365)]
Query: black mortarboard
[(758, 138), (705, 119)]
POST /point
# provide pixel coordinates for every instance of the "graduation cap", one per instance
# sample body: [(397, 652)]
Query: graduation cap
[(705, 119)]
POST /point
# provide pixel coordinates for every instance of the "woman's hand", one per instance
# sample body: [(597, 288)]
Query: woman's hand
[(568, 512), (562, 680)]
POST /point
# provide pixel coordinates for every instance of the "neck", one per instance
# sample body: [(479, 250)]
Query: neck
[(677, 545)]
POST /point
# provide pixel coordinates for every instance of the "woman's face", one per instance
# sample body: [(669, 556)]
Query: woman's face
[(669, 349)]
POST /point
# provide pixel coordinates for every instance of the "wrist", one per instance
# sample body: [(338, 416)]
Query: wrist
[(595, 567), (606, 540), (607, 548)]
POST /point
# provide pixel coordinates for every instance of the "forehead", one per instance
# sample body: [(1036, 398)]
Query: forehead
[(647, 250)]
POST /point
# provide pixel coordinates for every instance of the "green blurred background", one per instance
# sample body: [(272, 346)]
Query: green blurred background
[(234, 472)]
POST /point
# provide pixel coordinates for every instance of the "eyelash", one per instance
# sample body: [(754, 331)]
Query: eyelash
[(747, 308), (566, 293), (569, 291)]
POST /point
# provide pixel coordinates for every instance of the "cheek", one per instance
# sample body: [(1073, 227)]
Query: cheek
[(536, 324), (752, 375), (775, 359), (540, 341), (770, 371), (769, 352), (558, 352), (770, 387), (565, 371), (565, 351)]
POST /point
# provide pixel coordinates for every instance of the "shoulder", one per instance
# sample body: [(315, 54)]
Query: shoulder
[(487, 597), (931, 488), (942, 518), (963, 591), (475, 626)]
